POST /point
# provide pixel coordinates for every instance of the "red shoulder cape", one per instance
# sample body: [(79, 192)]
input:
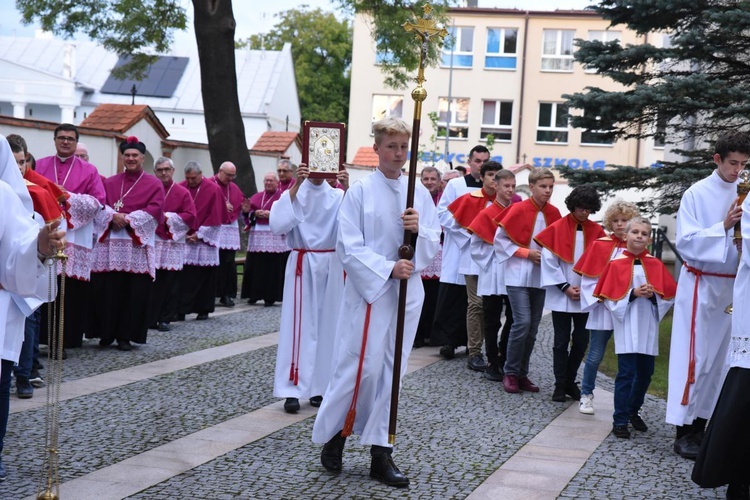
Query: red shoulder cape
[(466, 207), (518, 220), (484, 224), (44, 204), (597, 256), (41, 181), (560, 237), (616, 279)]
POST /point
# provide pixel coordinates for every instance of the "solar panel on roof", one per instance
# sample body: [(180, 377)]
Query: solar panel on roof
[(161, 78)]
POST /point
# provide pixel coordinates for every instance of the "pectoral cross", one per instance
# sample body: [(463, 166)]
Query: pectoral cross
[(118, 205)]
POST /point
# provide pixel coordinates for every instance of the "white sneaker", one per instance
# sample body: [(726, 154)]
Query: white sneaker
[(586, 405)]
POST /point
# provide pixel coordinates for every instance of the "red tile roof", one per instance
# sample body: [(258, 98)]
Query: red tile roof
[(122, 117), (365, 157), (275, 142)]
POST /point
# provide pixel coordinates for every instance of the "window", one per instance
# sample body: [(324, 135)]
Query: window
[(459, 46), (384, 106), (501, 48), (456, 120), (595, 137), (382, 57), (602, 36), (553, 123), (497, 119), (557, 50)]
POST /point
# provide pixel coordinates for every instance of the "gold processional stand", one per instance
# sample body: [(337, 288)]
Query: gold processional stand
[(49, 488), (743, 188)]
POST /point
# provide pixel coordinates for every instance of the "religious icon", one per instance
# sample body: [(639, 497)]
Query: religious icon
[(322, 148)]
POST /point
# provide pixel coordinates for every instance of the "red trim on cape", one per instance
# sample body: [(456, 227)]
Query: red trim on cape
[(617, 278), (597, 256), (560, 236), (484, 224), (466, 207), (518, 221)]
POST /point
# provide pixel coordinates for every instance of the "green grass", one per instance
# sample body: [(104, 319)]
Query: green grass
[(659, 381)]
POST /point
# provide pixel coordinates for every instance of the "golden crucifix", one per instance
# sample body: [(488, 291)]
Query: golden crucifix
[(425, 29)]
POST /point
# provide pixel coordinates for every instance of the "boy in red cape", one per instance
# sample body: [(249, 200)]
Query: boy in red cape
[(563, 243), (464, 209), (515, 247), (491, 283), (590, 267), (639, 290)]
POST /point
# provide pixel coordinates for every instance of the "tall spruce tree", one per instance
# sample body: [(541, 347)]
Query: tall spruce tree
[(694, 86)]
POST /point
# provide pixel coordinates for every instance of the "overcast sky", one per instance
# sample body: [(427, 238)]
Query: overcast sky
[(250, 19)]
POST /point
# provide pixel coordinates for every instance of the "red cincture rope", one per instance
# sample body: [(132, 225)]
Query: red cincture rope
[(691, 363), (297, 318), (352, 413)]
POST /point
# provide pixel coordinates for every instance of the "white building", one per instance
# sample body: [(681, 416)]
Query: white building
[(58, 81)]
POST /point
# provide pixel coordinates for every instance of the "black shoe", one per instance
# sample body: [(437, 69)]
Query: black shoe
[(163, 327), (124, 345), (331, 457), (24, 389), (106, 342), (226, 301), (558, 395), (573, 391), (291, 405), (477, 363), (202, 317), (384, 470), (687, 446), (179, 317), (251, 302), (494, 373), (738, 491), (637, 422), (448, 352), (316, 401), (268, 303), (621, 431)]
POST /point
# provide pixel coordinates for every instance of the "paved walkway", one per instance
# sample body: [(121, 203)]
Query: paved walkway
[(191, 415)]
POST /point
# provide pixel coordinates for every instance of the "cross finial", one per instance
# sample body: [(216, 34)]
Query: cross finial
[(425, 28)]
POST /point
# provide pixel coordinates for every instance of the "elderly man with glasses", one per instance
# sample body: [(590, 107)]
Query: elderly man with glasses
[(285, 169)]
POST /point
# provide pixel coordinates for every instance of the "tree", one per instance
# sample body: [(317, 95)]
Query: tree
[(399, 52), (322, 54), (141, 28), (695, 86)]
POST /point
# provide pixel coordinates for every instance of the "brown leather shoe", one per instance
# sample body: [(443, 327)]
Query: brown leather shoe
[(510, 384)]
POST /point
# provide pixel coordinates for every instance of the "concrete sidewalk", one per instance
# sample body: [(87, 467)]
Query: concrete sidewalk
[(191, 414)]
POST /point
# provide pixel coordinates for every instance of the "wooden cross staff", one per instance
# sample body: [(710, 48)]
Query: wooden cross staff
[(425, 29)]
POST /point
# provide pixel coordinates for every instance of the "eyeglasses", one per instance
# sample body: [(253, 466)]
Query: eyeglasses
[(162, 170), (282, 171), (63, 138), (83, 156)]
